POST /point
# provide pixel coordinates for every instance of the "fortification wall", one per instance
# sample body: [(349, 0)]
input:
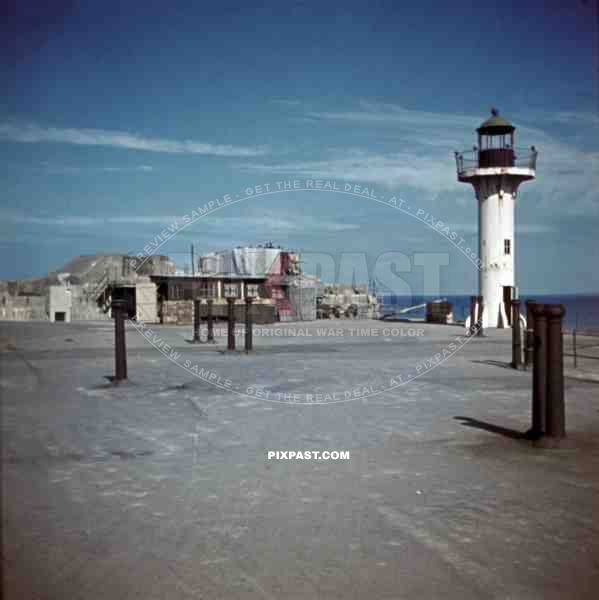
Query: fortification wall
[(85, 309), (23, 308), (146, 302), (180, 312)]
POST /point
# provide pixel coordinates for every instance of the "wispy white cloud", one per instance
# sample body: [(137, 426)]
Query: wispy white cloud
[(145, 219), (572, 117), (254, 223), (392, 169), (142, 168), (31, 133), (286, 101), (83, 221), (287, 224), (419, 126), (61, 221), (424, 158), (50, 169), (568, 177), (521, 229)]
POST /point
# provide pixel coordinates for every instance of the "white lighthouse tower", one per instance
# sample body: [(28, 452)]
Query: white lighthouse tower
[(495, 168)]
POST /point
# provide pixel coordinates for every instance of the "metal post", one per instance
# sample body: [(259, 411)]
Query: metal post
[(210, 322), (530, 338), (539, 373), (161, 312), (479, 321), (574, 342), (120, 349), (472, 313), (516, 336), (196, 321), (555, 417), (509, 293), (248, 325), (231, 327)]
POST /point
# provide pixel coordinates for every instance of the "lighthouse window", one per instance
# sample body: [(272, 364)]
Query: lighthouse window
[(507, 247)]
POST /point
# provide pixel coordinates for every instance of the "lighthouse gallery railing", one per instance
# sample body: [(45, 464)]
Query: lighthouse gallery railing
[(525, 158)]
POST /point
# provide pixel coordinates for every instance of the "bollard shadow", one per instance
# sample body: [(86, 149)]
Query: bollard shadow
[(495, 363), (202, 342), (112, 381), (510, 433)]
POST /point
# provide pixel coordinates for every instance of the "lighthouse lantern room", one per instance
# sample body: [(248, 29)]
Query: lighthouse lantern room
[(496, 168)]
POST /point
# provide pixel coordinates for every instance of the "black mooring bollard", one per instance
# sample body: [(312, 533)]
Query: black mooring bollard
[(231, 327), (479, 321), (120, 350), (210, 322), (530, 337), (539, 373), (516, 336), (472, 314), (196, 322), (555, 417), (248, 325)]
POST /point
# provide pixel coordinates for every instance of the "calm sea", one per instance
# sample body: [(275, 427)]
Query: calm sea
[(582, 310)]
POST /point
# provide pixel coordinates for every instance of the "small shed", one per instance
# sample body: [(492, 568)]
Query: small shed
[(439, 311)]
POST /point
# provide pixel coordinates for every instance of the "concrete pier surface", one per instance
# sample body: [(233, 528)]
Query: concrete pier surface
[(161, 487)]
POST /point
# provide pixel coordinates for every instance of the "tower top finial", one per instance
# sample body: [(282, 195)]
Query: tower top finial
[(494, 111)]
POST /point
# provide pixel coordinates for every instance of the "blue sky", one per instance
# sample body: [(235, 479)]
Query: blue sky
[(121, 117)]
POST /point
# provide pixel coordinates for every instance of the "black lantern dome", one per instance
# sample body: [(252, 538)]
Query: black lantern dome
[(496, 142)]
